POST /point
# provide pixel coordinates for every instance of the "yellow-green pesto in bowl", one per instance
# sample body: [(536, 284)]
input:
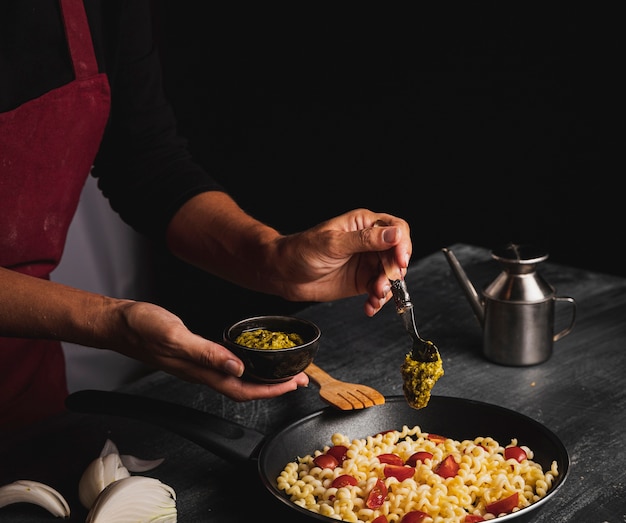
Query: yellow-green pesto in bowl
[(266, 339)]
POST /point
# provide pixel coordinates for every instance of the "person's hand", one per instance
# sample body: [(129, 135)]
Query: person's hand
[(36, 307), (338, 258), (342, 257), (159, 338)]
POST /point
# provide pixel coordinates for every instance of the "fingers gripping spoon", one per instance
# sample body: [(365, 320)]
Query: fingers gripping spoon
[(422, 366), (422, 350)]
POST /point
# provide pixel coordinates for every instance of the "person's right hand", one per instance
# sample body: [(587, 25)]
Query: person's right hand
[(39, 308)]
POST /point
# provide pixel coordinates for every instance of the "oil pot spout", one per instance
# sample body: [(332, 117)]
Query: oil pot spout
[(466, 285)]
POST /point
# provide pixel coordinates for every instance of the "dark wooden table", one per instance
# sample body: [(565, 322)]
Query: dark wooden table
[(578, 393)]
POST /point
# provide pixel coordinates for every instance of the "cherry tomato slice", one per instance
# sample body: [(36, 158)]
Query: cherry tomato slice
[(392, 459), (338, 452), (421, 455), (326, 461), (343, 481), (436, 438), (415, 516), (400, 472), (448, 468), (381, 519), (503, 506), (517, 453), (377, 495), (472, 518)]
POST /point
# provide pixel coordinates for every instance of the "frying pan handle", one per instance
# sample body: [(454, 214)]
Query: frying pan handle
[(222, 437)]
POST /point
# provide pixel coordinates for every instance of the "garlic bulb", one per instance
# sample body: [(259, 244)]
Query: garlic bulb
[(136, 498), (26, 491)]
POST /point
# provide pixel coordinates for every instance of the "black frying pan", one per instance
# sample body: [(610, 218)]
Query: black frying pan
[(451, 417)]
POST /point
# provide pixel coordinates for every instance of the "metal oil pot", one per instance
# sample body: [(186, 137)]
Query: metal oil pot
[(517, 310)]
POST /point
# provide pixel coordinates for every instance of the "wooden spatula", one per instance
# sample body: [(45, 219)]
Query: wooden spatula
[(343, 395)]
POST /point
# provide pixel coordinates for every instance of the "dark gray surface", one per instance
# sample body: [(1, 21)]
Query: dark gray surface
[(578, 394)]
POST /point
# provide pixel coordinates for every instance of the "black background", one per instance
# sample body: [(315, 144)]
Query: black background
[(481, 123)]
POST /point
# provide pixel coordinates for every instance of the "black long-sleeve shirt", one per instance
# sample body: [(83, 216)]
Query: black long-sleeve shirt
[(143, 166)]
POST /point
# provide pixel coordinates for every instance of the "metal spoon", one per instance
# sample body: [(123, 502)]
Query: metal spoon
[(422, 350)]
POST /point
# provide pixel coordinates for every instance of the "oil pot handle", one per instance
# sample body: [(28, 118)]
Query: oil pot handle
[(569, 328)]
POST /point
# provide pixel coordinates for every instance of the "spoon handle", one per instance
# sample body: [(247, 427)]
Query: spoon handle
[(401, 295)]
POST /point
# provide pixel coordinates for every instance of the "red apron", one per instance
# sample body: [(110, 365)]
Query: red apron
[(48, 148)]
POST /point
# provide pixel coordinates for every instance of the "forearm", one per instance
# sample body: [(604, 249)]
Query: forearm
[(213, 233), (334, 259), (35, 308)]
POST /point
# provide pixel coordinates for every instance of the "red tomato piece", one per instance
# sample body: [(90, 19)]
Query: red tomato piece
[(400, 472), (422, 456), (448, 468), (338, 452), (380, 519), (343, 481), (436, 438), (326, 461), (415, 516), (377, 495), (392, 459), (471, 518), (503, 506), (517, 453)]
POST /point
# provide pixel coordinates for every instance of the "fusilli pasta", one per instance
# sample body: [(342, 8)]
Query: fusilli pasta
[(479, 478)]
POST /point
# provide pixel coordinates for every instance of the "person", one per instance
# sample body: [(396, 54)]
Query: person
[(81, 93)]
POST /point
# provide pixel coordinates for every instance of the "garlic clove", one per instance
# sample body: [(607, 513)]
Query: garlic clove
[(135, 464), (132, 463), (98, 474), (109, 448), (135, 498), (27, 491)]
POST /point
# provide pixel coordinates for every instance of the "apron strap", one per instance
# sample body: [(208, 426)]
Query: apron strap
[(79, 38)]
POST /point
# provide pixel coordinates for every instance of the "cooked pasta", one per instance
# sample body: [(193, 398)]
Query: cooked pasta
[(461, 478)]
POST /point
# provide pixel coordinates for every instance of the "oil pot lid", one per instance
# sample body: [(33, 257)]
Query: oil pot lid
[(519, 281), (521, 254)]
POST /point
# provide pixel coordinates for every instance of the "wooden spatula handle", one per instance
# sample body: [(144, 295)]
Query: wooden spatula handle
[(318, 375)]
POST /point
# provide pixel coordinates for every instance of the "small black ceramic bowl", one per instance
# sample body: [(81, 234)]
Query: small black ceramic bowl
[(274, 365)]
